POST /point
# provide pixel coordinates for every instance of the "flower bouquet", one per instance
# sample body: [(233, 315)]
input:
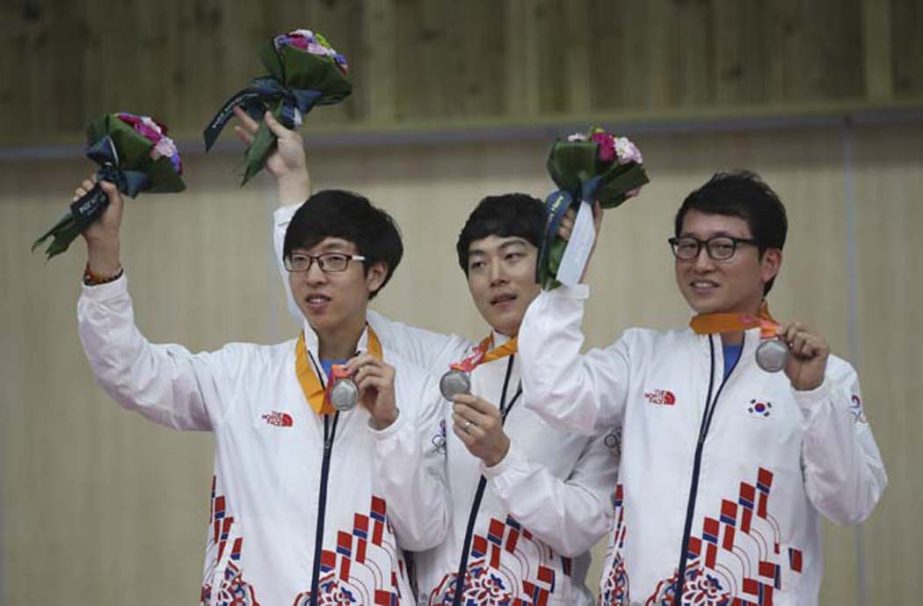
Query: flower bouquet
[(304, 71), (585, 167), (135, 154)]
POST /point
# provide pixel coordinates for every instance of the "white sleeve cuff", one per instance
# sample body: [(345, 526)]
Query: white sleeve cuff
[(577, 291), (513, 459), (107, 291), (809, 400)]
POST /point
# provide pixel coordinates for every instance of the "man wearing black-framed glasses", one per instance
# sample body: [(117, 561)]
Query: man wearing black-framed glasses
[(737, 433), (318, 438)]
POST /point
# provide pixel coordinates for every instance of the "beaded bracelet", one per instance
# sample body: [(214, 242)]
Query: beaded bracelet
[(91, 279)]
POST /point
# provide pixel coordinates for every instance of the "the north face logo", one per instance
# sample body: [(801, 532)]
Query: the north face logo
[(661, 396), (278, 419)]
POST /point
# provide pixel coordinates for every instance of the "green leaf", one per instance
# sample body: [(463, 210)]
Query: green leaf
[(306, 71), (618, 181), (264, 142), (271, 60), (555, 254), (570, 163)]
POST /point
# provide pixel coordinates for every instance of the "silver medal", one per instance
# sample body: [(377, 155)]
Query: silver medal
[(454, 382), (771, 355), (344, 394)]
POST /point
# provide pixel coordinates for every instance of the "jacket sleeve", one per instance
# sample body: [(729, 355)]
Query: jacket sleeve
[(570, 515), (580, 393), (430, 350), (844, 473), (410, 468), (165, 383)]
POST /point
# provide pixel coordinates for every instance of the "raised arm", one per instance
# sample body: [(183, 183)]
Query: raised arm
[(165, 383), (572, 391)]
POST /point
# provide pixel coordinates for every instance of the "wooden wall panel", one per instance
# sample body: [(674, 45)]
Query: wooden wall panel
[(907, 48), (889, 217), (427, 64)]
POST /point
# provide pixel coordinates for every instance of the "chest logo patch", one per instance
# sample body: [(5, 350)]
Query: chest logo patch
[(278, 419), (760, 409), (661, 397)]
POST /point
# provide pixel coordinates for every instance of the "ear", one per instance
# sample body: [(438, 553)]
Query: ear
[(375, 275), (770, 264)]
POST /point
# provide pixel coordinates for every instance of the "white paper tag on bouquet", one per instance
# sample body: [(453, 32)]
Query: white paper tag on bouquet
[(578, 247)]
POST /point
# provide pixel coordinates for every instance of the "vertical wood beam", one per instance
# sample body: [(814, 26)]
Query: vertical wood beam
[(577, 50), (876, 25), (379, 50), (522, 66)]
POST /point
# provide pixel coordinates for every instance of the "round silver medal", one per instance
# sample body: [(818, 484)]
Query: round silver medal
[(344, 394), (453, 383), (771, 355)]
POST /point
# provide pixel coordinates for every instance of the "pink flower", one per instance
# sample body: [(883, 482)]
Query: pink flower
[(627, 151), (606, 146), (154, 132)]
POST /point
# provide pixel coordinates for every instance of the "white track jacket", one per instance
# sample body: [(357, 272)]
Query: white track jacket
[(543, 507), (295, 496), (721, 482)]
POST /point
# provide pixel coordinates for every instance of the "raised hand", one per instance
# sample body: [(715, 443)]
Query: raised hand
[(287, 163), (102, 235)]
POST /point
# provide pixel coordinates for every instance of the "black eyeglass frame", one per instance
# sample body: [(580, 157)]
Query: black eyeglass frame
[(320, 260), (707, 244)]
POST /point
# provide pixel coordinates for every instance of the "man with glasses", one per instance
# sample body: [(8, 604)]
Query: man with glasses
[(528, 501), (314, 498), (737, 433)]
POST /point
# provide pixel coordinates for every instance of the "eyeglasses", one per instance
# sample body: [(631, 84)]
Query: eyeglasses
[(328, 262), (719, 248)]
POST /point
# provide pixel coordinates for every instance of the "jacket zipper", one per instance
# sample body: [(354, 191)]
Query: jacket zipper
[(330, 430), (710, 405), (479, 494)]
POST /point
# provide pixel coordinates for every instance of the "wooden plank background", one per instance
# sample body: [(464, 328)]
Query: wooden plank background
[(422, 63)]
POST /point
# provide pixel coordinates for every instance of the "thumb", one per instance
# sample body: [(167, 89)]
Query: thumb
[(112, 192), (274, 125)]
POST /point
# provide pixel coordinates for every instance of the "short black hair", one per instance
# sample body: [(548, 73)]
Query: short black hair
[(504, 216), (743, 194), (334, 213)]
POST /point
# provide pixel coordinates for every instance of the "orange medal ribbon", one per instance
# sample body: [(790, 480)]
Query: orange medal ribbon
[(483, 354), (314, 391), (707, 324)]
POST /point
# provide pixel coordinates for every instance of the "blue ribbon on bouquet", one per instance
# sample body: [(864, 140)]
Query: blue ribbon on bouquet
[(130, 182), (256, 99)]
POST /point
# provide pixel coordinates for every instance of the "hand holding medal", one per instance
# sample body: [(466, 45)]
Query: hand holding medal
[(370, 381), (790, 347), (807, 359)]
